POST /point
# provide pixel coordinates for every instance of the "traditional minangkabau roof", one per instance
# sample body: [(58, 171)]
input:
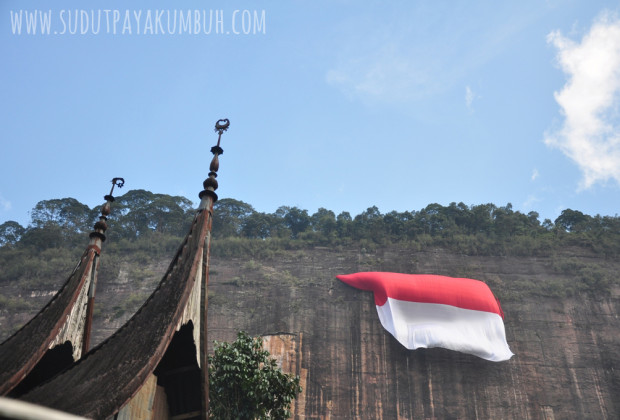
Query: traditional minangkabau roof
[(155, 347), (60, 332)]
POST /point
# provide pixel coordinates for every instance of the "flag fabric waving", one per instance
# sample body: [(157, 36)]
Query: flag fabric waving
[(425, 310)]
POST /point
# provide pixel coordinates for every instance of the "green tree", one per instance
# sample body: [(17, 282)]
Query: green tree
[(261, 226), (229, 215), (369, 225), (572, 220), (67, 213), (508, 223), (296, 219), (324, 221), (10, 232), (396, 224), (140, 212), (50, 236), (344, 223), (482, 218), (435, 220), (245, 383)]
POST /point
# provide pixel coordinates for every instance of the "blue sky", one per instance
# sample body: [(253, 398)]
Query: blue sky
[(335, 104)]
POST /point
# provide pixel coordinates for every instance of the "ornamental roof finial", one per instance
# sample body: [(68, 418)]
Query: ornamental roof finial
[(210, 184), (98, 235)]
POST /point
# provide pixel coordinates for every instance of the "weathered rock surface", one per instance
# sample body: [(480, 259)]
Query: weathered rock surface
[(567, 350)]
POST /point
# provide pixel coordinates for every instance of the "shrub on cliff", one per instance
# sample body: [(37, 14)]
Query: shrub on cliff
[(246, 383)]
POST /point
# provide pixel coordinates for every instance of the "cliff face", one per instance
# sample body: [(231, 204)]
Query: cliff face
[(566, 362), (567, 349)]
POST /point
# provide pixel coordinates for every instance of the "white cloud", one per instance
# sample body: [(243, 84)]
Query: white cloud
[(386, 74), (590, 101), (535, 174), (469, 97), (419, 50), (5, 204)]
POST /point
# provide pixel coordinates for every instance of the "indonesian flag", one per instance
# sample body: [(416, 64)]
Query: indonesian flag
[(424, 310)]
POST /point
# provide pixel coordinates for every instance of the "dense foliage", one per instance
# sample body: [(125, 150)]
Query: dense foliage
[(246, 383), (63, 222), (484, 229), (478, 229), (144, 227)]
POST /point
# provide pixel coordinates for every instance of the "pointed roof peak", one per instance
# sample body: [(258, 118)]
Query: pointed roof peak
[(210, 184), (97, 236)]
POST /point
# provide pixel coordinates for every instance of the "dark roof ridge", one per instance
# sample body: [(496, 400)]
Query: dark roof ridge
[(165, 277), (54, 298), (119, 365)]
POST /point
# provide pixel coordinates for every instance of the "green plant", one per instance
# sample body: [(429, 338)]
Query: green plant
[(246, 383)]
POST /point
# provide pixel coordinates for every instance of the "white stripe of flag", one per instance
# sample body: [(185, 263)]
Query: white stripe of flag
[(422, 322)]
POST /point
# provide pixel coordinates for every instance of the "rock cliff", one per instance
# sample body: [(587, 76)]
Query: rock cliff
[(566, 339), (566, 362)]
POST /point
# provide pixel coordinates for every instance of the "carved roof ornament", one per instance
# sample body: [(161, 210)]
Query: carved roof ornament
[(210, 184), (98, 235), (164, 344)]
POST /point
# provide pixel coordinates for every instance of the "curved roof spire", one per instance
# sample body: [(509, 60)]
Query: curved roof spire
[(130, 367), (97, 237), (66, 318)]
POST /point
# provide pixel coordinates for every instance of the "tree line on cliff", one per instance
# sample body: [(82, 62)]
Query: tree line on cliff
[(145, 229), (485, 229)]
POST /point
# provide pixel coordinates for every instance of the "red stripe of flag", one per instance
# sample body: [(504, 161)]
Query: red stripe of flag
[(426, 288)]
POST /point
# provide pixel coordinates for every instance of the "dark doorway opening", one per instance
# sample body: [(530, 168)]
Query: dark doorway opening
[(179, 374)]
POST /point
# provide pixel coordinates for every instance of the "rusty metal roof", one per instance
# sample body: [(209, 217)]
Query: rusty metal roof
[(66, 317), (107, 377), (22, 351), (99, 384)]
